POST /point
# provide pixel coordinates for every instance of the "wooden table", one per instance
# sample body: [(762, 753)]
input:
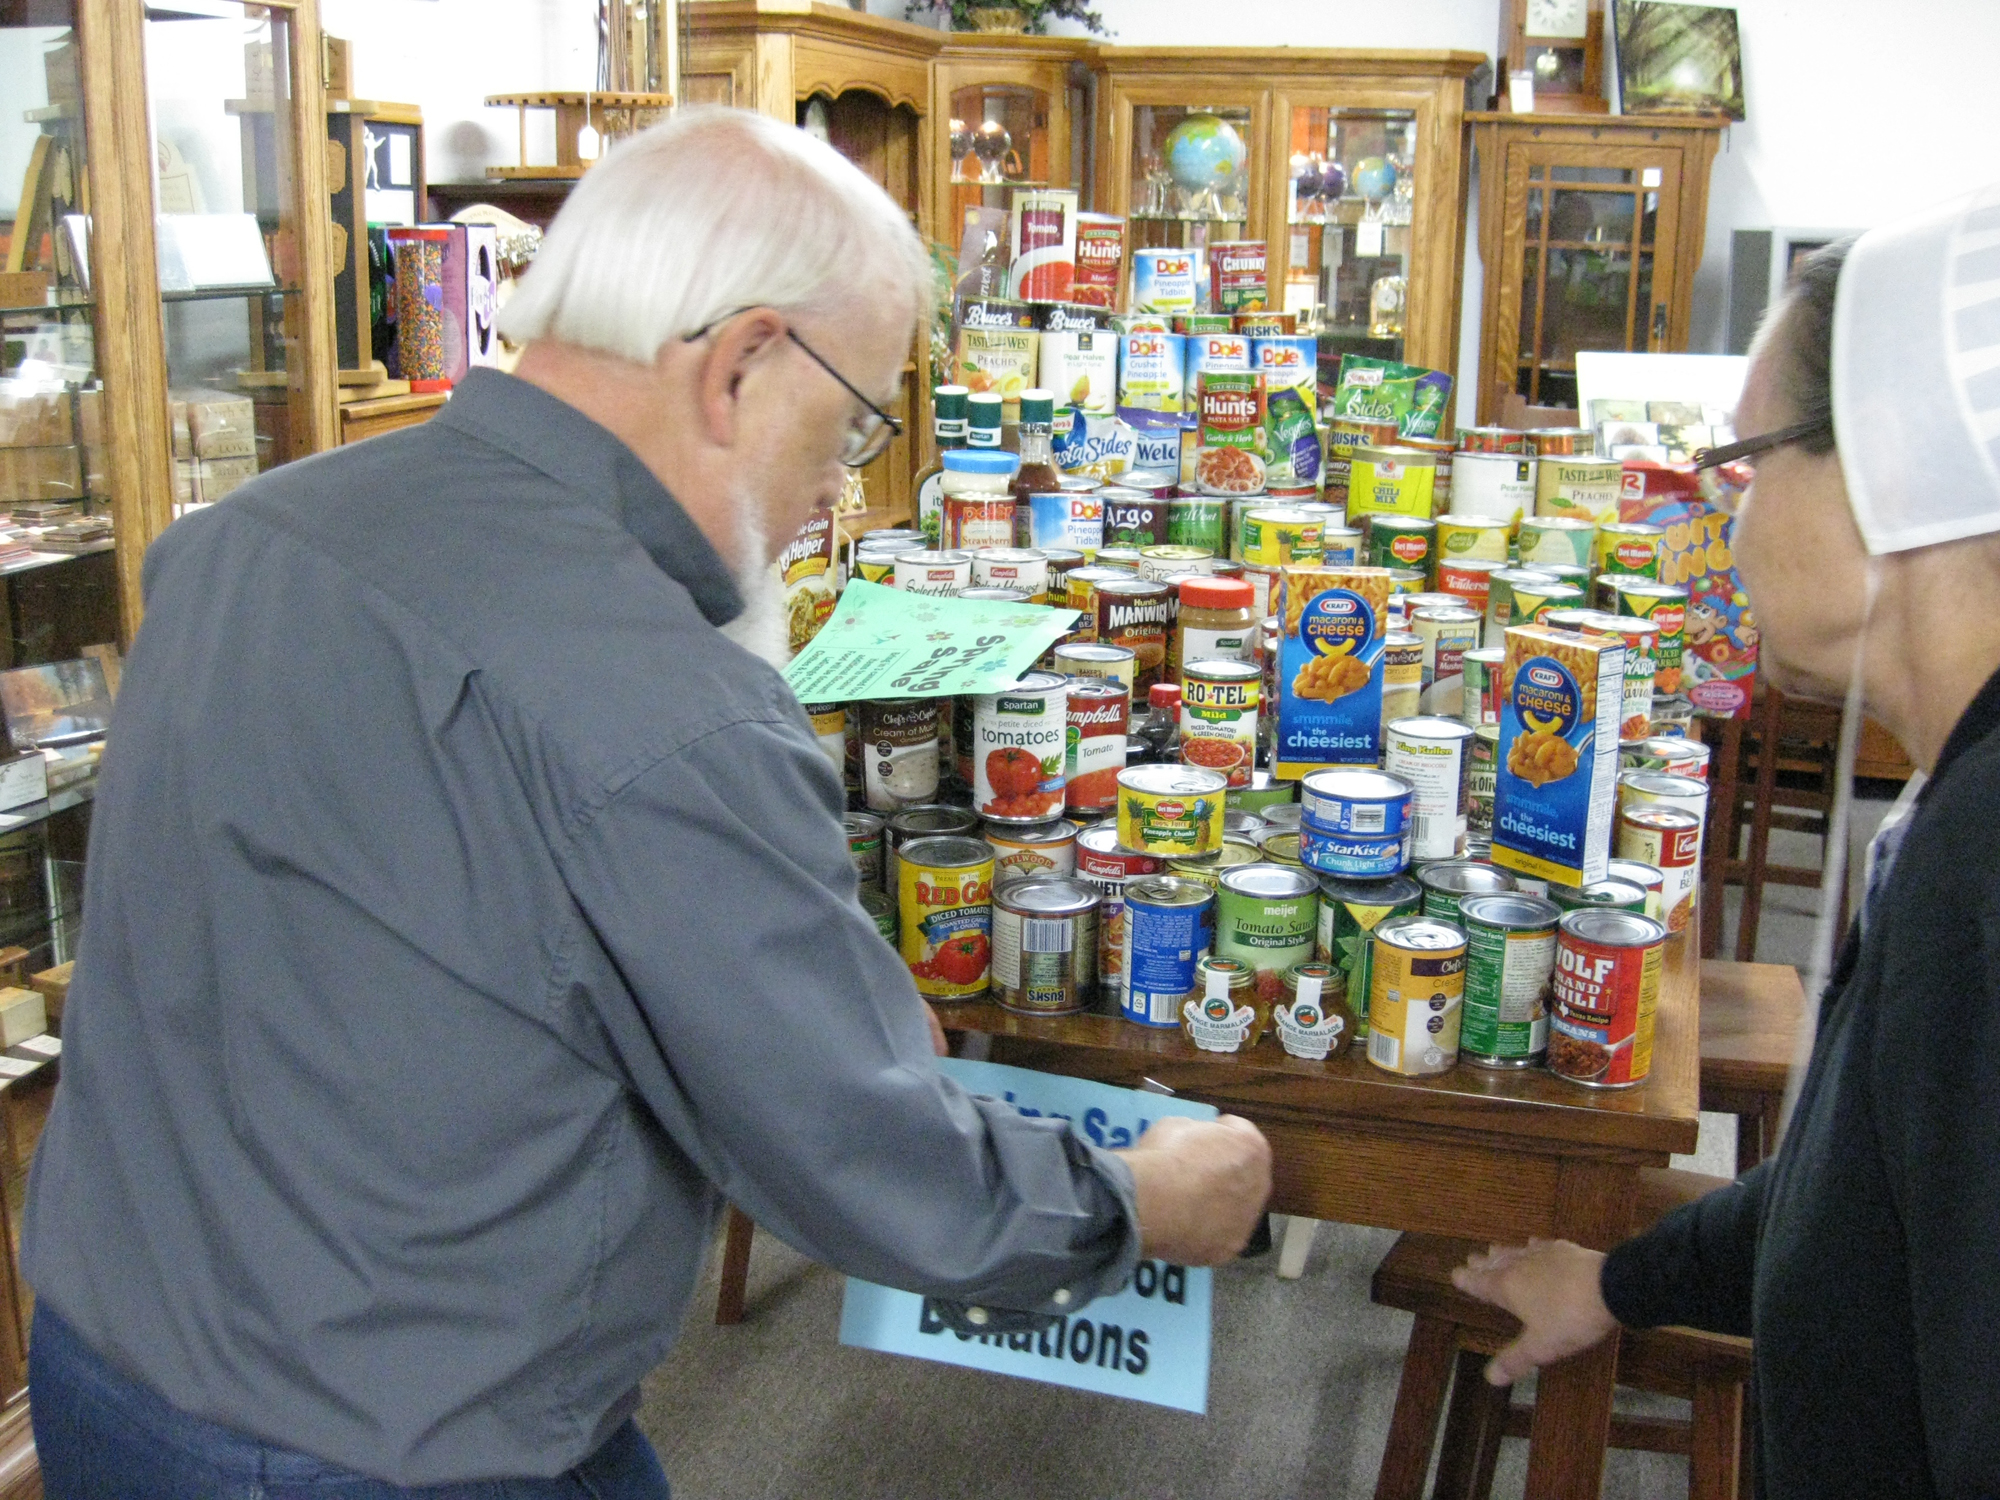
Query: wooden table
[(1473, 1154)]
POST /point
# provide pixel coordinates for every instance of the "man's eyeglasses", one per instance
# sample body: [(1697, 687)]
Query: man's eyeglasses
[(1798, 432), (868, 436)]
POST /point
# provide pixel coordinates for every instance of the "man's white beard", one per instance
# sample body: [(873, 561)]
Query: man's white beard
[(761, 628)]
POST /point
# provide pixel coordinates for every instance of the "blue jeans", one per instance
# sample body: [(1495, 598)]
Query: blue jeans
[(102, 1435)]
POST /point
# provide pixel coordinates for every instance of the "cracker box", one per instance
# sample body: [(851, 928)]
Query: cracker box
[(1555, 798), (1332, 625)]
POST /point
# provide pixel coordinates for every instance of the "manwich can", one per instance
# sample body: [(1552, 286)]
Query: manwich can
[(1415, 995), (1606, 989), (1045, 945), (1510, 960)]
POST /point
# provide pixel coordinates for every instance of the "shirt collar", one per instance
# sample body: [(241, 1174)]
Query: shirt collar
[(550, 435), (1981, 718)]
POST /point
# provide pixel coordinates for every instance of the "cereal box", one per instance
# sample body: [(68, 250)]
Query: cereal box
[(1555, 797), (1332, 623)]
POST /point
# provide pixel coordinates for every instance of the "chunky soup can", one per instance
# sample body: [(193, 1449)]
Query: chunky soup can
[(1606, 989), (1045, 946), (1414, 996), (1169, 926), (1510, 960), (945, 907)]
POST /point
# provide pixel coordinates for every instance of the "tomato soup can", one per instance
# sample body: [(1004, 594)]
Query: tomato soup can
[(1545, 442), (1169, 925), (1045, 946), (1219, 717), (866, 834), (1492, 440), (945, 912), (1018, 740), (1496, 486), (1100, 713), (1669, 840), (1349, 913), (1402, 676), (1481, 784), (1666, 607), (1510, 961), (943, 572), (1266, 916), (1668, 753), (1606, 989), (1479, 699), (1276, 536), (1105, 866), (1174, 811), (1429, 752), (1415, 994), (1031, 851), (1023, 568), (899, 760), (1403, 542), (1449, 883), (1355, 824), (1393, 481), (1582, 487), (1648, 878)]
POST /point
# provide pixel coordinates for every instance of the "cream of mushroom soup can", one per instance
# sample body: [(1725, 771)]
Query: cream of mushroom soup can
[(1416, 995)]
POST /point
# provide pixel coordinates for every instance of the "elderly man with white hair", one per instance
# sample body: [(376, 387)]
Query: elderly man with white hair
[(469, 912)]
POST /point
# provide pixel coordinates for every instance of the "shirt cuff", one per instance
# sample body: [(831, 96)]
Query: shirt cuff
[(1633, 1288)]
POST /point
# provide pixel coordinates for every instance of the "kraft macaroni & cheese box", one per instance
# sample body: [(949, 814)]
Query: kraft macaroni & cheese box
[(1555, 799), (1332, 625)]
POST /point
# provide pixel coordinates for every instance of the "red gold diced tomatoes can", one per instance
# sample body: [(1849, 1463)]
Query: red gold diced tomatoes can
[(1100, 716), (1607, 987), (945, 906)]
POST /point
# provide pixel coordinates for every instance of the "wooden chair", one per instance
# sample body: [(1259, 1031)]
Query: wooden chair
[(1750, 1018), (1455, 1334)]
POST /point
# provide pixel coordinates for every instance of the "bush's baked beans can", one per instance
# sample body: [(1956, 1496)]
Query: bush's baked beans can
[(1665, 752), (1666, 607), (866, 834), (1045, 945), (1500, 486), (1031, 851), (899, 760), (1100, 711), (1105, 866), (1649, 878), (1415, 996), (941, 573), (1024, 568), (1669, 840), (1169, 926), (1175, 811), (1219, 717), (1492, 440), (1343, 436), (1510, 960), (1018, 748), (945, 911), (1448, 883), (1606, 988), (1403, 542), (1349, 913)]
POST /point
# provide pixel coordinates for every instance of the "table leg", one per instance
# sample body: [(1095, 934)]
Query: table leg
[(1294, 1245), (1725, 742), (1573, 1399), (1420, 1397), (1474, 1423), (735, 1267)]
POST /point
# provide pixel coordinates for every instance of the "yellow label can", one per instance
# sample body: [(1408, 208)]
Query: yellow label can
[(1391, 482), (1416, 994)]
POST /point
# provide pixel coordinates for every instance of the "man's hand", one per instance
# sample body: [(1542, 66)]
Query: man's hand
[(1552, 1287), (1201, 1187), (938, 1044)]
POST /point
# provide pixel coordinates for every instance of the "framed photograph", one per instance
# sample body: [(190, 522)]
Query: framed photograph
[(63, 703), (1678, 59)]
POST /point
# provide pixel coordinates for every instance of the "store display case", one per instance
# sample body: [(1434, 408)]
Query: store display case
[(1011, 112)]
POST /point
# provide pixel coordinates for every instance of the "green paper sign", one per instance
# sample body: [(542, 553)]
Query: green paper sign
[(884, 643)]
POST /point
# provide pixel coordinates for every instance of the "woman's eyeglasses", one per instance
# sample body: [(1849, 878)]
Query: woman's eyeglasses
[(1798, 432)]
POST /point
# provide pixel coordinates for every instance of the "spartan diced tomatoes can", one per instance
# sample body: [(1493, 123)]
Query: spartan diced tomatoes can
[(1607, 986), (1018, 749), (945, 903)]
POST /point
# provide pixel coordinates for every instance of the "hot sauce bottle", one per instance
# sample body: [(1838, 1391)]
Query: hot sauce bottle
[(1037, 475)]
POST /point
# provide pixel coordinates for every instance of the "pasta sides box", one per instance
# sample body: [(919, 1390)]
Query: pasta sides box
[(1332, 625), (1555, 799)]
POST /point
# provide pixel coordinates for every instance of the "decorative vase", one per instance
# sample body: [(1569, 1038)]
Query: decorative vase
[(998, 20)]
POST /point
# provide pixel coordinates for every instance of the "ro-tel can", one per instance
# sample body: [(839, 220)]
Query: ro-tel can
[(935, 820), (881, 909), (1403, 542), (1100, 717), (1649, 878), (1163, 281), (1023, 568), (1414, 996), (1402, 676), (1266, 916), (1666, 607), (1607, 986), (1117, 664), (1583, 487), (1219, 701), (1444, 454), (1045, 945), (1500, 599), (1355, 823), (1080, 594), (1447, 631), (1565, 442), (1133, 518), (1641, 639), (1481, 783), (1066, 519), (1665, 752), (865, 836), (945, 911), (1392, 481), (899, 761), (1341, 546), (1200, 522), (1222, 1016), (1136, 613), (1031, 851), (1607, 894), (1156, 564), (1669, 840), (1274, 536), (1343, 436), (1499, 486), (1449, 882), (1510, 960), (1492, 440), (1625, 549), (942, 573), (1309, 1016), (1174, 811), (1169, 924), (1469, 579), (1479, 699), (1017, 749), (1569, 540), (1152, 369), (1266, 795), (1106, 866), (1430, 753), (1349, 912)]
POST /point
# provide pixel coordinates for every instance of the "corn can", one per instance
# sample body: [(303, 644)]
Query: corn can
[(1461, 537), (945, 911), (1557, 539), (1510, 960), (1415, 994), (1045, 946), (1626, 549), (1606, 990)]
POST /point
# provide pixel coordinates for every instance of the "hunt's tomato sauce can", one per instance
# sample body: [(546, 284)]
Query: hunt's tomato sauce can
[(945, 906), (1606, 987), (1100, 714), (1018, 750)]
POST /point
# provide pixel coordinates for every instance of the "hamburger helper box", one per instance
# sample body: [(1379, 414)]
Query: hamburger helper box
[(1555, 797), (1332, 622)]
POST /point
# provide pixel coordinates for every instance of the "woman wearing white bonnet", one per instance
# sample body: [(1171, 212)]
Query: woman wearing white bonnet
[(1864, 1258)]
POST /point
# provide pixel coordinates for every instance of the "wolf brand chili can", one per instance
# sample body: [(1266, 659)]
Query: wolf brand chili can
[(1169, 925), (1219, 717), (1100, 712), (1607, 986), (1510, 960), (1449, 883), (945, 906), (865, 836), (1045, 946), (1018, 740), (1355, 823), (1175, 811), (1105, 867), (899, 760), (1266, 916), (1349, 913), (1430, 753), (1415, 995), (1136, 614), (1031, 851), (1669, 840)]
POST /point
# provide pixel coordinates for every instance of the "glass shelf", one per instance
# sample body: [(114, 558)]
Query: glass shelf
[(43, 309), (1351, 199), (1242, 218), (226, 293)]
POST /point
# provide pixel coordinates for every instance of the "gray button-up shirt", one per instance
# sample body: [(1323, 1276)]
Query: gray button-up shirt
[(465, 913)]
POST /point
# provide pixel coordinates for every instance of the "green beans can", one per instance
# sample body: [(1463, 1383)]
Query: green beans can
[(1349, 913), (1619, 895), (1449, 882), (1199, 521), (1510, 960), (1557, 539), (1402, 542), (877, 904)]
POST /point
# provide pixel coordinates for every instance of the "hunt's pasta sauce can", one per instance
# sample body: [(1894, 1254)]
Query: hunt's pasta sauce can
[(1606, 987)]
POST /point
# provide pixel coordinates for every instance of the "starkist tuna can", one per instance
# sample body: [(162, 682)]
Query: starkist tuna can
[(1169, 926), (1355, 823)]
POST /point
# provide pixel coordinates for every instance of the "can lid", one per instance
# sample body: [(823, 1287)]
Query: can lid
[(1425, 933), (1612, 928), (1208, 592), (1466, 876), (1038, 407), (1269, 882), (1048, 895), (981, 461), (1391, 890), (1514, 911)]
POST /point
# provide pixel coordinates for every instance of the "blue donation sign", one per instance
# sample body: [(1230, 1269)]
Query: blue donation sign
[(1149, 1343)]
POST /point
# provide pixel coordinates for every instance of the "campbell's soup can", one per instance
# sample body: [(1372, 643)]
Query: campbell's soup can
[(899, 758), (1031, 851), (1169, 927), (1492, 440), (942, 572), (1606, 989), (1045, 946), (945, 911), (1023, 568), (1018, 739), (1100, 715), (1041, 227), (1106, 865), (1670, 841), (1415, 996)]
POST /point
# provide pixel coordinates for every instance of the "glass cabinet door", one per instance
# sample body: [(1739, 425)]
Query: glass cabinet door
[(999, 141), (1350, 197), (1189, 176)]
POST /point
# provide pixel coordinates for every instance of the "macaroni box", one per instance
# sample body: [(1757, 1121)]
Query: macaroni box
[(1555, 797), (1332, 624)]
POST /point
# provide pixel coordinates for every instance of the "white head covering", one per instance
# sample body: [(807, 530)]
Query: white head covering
[(1916, 376)]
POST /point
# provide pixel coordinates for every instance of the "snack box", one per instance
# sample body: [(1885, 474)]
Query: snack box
[(1555, 797), (1331, 627)]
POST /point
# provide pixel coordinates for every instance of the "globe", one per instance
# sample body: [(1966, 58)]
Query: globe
[(1375, 177), (1205, 154)]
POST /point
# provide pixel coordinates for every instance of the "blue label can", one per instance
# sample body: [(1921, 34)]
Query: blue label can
[(1169, 925), (1065, 518), (1359, 856)]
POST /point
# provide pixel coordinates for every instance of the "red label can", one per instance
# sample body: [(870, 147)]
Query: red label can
[(1606, 988), (1100, 717), (1105, 864), (1100, 259)]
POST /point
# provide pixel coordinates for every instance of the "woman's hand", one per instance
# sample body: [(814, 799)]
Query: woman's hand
[(1551, 1286)]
